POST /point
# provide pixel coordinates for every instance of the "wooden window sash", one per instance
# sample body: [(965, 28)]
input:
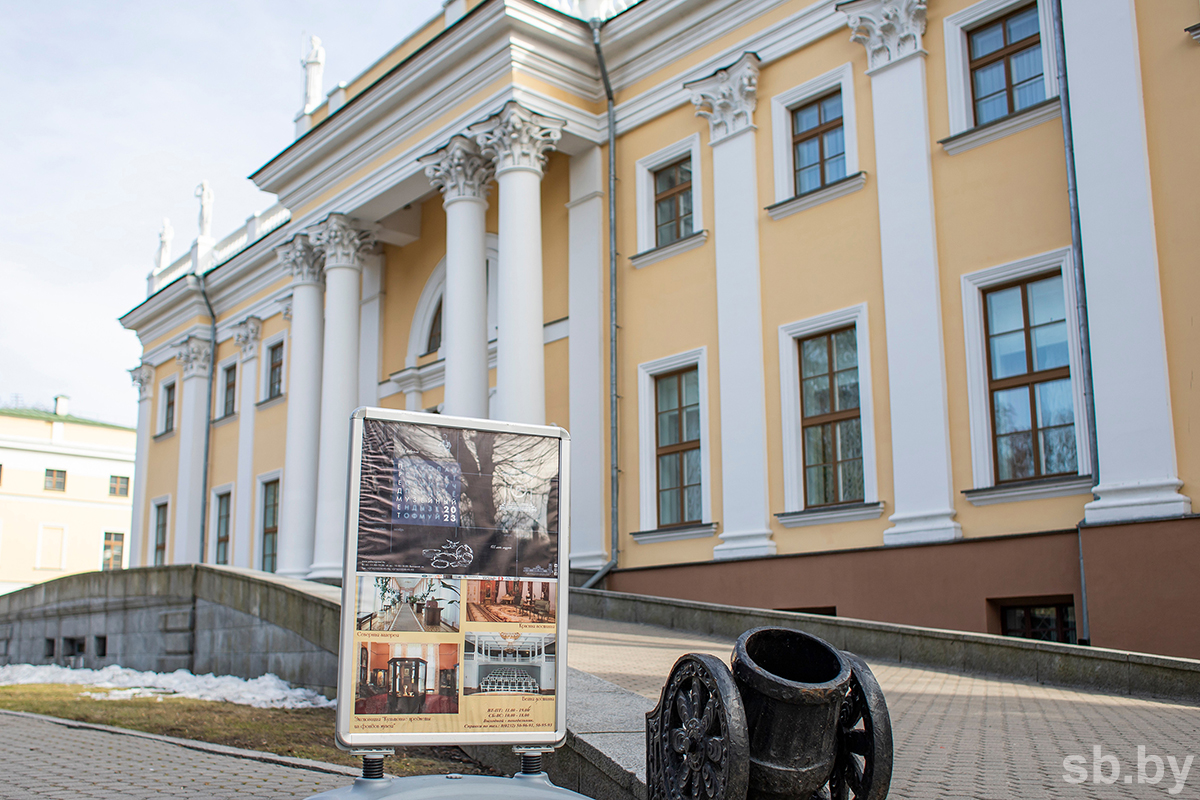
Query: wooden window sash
[(830, 417), (817, 133), (671, 449), (1004, 53), (1029, 378), (673, 192)]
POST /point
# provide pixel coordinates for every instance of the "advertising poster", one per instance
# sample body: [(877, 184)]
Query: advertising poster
[(454, 554)]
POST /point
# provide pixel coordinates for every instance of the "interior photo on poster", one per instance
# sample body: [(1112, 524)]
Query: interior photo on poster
[(457, 502)]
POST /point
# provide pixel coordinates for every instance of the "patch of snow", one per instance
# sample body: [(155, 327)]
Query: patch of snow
[(267, 691)]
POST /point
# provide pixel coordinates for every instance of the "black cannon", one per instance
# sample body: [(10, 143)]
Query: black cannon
[(797, 719)]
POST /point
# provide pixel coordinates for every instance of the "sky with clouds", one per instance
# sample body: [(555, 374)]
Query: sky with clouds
[(114, 112)]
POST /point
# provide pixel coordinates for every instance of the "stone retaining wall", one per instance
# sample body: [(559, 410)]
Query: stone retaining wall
[(201, 618)]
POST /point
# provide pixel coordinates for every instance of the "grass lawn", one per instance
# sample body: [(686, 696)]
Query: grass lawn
[(300, 733)]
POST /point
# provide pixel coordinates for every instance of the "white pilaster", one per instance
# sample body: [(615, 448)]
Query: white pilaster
[(727, 99), (517, 140), (585, 348), (891, 31), (194, 357), (247, 336), (143, 379), (1134, 427), (298, 505), (462, 174), (343, 243), (370, 331)]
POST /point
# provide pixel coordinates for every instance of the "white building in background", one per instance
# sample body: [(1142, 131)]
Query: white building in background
[(65, 486)]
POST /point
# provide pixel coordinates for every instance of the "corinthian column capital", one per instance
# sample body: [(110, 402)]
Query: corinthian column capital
[(727, 98), (888, 29), (459, 170), (194, 356), (517, 138), (343, 241), (299, 259), (143, 379), (246, 335)]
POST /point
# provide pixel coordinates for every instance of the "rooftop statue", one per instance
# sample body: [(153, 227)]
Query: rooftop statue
[(205, 193), (314, 70), (164, 245)]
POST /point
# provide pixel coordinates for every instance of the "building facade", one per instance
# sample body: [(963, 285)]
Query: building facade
[(65, 502), (855, 365)]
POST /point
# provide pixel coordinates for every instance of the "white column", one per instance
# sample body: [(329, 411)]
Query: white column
[(370, 331), (518, 139), (343, 244), (727, 99), (923, 487), (1134, 426), (195, 360), (462, 174), (298, 504), (143, 379), (585, 350), (246, 335)]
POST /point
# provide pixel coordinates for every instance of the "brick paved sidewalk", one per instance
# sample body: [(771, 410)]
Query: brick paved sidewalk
[(44, 759), (956, 736)]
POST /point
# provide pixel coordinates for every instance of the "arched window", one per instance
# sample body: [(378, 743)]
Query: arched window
[(435, 331)]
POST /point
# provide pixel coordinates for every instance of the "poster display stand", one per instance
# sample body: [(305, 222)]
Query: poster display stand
[(454, 619)]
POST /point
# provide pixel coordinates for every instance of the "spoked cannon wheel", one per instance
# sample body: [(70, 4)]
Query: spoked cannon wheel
[(862, 768)]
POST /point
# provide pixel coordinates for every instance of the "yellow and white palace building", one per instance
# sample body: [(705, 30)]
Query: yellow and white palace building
[(851, 370)]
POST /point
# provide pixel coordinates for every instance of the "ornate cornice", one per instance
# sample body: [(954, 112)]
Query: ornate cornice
[(459, 170), (343, 241), (888, 29), (300, 259), (246, 335), (517, 138), (727, 98), (194, 356), (143, 379)]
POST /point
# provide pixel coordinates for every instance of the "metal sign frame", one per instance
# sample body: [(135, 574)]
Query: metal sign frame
[(347, 652)]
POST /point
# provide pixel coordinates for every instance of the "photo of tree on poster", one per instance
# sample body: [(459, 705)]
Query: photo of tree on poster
[(457, 502)]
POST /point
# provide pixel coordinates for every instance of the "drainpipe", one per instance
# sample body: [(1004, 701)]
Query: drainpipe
[(613, 397), (212, 368), (1085, 345)]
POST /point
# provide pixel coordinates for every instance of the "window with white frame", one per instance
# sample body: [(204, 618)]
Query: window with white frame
[(814, 137), (168, 405), (828, 419), (228, 389), (1023, 360), (673, 449), (270, 524), (161, 519), (273, 382), (670, 207), (222, 521), (1001, 59)]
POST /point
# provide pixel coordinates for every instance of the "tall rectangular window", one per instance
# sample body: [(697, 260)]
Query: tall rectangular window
[(677, 422), (114, 547), (230, 395), (830, 420), (819, 143), (56, 480), (1029, 380), (275, 370), (673, 202), (222, 555), (160, 534), (270, 526), (118, 486), (168, 408), (1006, 65)]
